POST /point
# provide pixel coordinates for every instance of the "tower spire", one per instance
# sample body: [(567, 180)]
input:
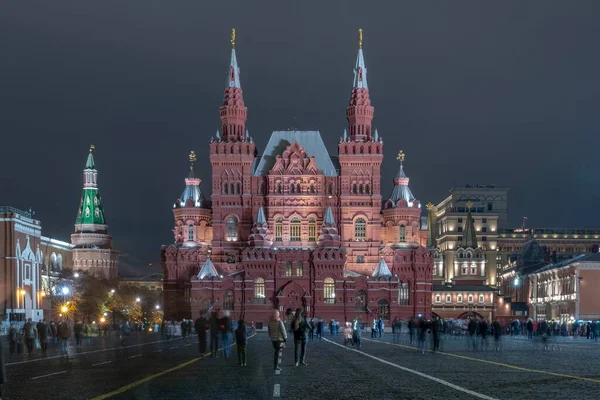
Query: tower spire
[(360, 111), (90, 216), (469, 238), (401, 190), (233, 111), (192, 195)]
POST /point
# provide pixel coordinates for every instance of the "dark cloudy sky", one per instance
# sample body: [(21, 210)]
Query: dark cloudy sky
[(474, 92)]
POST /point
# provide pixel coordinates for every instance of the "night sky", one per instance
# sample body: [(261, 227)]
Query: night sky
[(474, 92)]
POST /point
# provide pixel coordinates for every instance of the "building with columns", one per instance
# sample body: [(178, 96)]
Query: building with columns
[(295, 227), (92, 245)]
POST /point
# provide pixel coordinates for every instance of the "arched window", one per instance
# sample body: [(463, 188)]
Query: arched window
[(300, 269), (312, 188), (361, 300), (463, 269), (295, 230), (383, 309), (238, 188), (288, 269), (459, 298), (438, 298), (360, 229), (362, 150), (225, 188), (292, 188), (231, 234), (259, 291), (59, 262), (448, 298), (402, 234), (53, 263), (368, 189), (190, 232), (329, 291), (481, 298), (470, 298), (473, 269), (279, 187), (279, 229), (312, 230), (360, 189), (354, 189), (228, 300), (298, 188), (231, 188), (403, 295)]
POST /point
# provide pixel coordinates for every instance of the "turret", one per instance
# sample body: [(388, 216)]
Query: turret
[(233, 112), (261, 235), (329, 233), (90, 216), (360, 111)]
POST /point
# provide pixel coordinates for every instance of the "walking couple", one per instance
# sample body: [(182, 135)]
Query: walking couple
[(278, 335)]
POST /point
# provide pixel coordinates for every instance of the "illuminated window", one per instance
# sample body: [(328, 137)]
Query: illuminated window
[(470, 298), (448, 298), (481, 298), (438, 298), (459, 298), (190, 232), (403, 295), (360, 229), (312, 230), (463, 269), (402, 233), (383, 309), (259, 291), (288, 269), (434, 270), (299, 269), (295, 230), (361, 300), (279, 229), (228, 300), (231, 234), (473, 269), (329, 291)]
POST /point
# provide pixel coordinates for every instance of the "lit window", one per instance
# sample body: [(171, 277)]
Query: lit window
[(473, 269), (438, 298), (459, 298), (463, 269), (402, 233), (470, 298), (190, 232), (299, 270), (312, 230), (259, 291), (228, 300), (231, 234), (288, 269), (295, 230), (448, 298), (481, 298), (329, 291), (360, 229), (383, 309), (278, 229), (434, 270), (403, 295)]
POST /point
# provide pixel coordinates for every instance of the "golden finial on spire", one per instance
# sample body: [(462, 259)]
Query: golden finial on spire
[(233, 38), (429, 206), (192, 156), (401, 156), (360, 38), (469, 205), (92, 147)]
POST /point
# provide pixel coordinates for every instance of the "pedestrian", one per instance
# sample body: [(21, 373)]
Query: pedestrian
[(278, 336), (380, 327), (320, 329), (30, 332), (214, 334), (411, 329), (241, 340), (311, 330), (43, 329), (64, 333), (436, 326), (78, 331), (473, 328), (348, 335), (201, 328), (373, 329), (356, 333), (483, 332), (394, 330), (226, 327), (422, 334), (53, 330), (13, 338), (300, 326), (183, 329), (124, 332), (497, 332)]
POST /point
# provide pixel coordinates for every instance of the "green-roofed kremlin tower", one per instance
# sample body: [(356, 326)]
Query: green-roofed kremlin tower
[(93, 246)]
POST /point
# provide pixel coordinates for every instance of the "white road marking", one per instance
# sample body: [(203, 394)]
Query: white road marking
[(137, 355), (158, 351), (276, 390), (189, 344), (85, 352), (174, 347), (277, 372), (54, 373), (412, 371), (105, 362)]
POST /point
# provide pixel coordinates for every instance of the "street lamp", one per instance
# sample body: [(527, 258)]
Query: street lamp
[(65, 290), (137, 299), (112, 291), (76, 274), (157, 307), (64, 309)]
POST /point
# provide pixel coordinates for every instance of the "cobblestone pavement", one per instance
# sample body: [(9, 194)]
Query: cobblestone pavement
[(154, 369)]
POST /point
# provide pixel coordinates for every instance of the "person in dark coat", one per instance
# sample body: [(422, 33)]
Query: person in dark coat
[(13, 337), (241, 340), (214, 334), (202, 326), (42, 330)]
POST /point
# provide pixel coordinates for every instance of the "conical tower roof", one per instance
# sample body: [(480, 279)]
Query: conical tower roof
[(469, 238), (401, 190), (382, 270), (91, 213), (208, 270), (192, 195)]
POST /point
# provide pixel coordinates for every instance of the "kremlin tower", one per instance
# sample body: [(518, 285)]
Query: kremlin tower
[(92, 250)]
